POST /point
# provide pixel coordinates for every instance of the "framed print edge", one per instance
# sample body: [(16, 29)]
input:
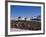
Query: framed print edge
[(6, 18)]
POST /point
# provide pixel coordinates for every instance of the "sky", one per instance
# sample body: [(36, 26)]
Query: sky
[(17, 10)]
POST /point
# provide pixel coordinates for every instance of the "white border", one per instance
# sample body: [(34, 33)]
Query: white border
[(24, 32)]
